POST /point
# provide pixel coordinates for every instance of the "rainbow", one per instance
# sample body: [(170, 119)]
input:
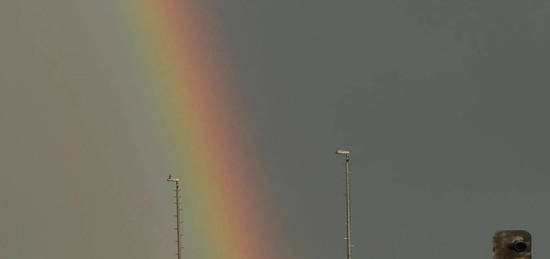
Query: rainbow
[(224, 215)]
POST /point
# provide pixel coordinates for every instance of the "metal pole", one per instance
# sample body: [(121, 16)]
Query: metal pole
[(349, 245), (348, 208), (178, 218), (178, 223)]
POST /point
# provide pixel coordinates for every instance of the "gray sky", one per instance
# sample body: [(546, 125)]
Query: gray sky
[(443, 104)]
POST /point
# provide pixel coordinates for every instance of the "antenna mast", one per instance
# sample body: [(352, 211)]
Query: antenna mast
[(178, 224), (349, 245)]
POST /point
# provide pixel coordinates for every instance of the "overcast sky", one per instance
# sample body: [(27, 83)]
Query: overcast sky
[(443, 103)]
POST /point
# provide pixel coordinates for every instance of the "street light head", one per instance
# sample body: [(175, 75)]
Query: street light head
[(342, 152), (171, 179)]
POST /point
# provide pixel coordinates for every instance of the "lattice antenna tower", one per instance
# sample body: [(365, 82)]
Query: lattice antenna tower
[(178, 229)]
